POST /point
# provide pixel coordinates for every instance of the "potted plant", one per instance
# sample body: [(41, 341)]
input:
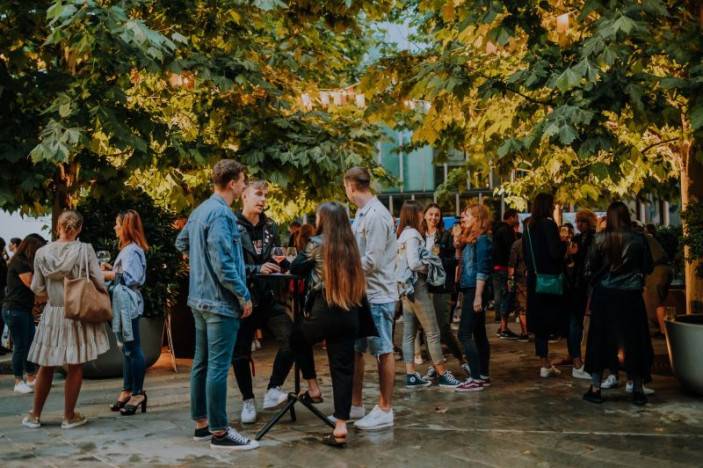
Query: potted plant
[(164, 269)]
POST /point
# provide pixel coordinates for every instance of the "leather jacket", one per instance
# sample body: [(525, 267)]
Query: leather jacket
[(308, 265), (636, 263)]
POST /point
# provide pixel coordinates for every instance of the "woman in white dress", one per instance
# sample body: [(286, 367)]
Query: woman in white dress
[(60, 341)]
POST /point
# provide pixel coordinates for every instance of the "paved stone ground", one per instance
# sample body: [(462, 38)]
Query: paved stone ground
[(521, 420)]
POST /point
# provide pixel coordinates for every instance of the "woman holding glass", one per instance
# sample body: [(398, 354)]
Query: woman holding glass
[(128, 276)]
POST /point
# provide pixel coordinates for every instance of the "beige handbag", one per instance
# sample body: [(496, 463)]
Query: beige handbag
[(82, 300)]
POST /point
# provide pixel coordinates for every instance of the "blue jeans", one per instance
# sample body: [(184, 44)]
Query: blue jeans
[(133, 367), (215, 336), (383, 316), (472, 334), (21, 325)]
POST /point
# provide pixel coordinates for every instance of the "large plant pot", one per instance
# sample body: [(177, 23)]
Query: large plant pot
[(109, 365), (684, 340)]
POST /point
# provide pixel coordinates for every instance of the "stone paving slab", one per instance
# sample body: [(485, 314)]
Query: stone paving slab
[(520, 421)]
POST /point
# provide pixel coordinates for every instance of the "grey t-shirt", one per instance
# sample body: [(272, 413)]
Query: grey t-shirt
[(374, 231)]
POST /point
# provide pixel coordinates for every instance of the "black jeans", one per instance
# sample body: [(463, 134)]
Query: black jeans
[(542, 345), (339, 328), (472, 334), (273, 317)]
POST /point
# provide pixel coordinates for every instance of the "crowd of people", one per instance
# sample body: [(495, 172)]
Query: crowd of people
[(359, 280)]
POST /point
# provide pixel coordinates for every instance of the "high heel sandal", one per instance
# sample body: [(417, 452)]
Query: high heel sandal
[(119, 404), (335, 441), (307, 398), (129, 410)]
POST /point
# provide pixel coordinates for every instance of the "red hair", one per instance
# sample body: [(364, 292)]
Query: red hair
[(132, 229)]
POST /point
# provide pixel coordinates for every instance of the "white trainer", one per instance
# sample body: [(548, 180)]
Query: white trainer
[(610, 382), (22, 387), (580, 373), (274, 398), (377, 419), (31, 422), (629, 386), (248, 411), (356, 412), (546, 372)]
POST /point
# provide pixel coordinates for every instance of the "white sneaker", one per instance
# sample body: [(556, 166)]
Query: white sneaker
[(356, 412), (579, 373), (31, 422), (22, 387), (629, 387), (78, 420), (274, 398), (546, 372), (610, 382), (375, 420), (248, 411)]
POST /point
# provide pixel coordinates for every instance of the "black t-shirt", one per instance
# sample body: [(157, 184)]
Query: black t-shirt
[(18, 296)]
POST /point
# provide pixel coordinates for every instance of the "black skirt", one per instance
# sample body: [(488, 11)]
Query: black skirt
[(545, 312), (619, 320)]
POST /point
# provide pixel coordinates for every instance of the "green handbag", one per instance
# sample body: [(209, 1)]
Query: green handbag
[(545, 284)]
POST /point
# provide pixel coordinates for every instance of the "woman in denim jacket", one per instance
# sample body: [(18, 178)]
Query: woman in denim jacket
[(418, 304), (130, 271), (476, 249)]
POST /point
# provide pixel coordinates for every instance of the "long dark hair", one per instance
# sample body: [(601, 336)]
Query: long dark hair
[(409, 217), (542, 207), (28, 248), (344, 280), (440, 226), (618, 222)]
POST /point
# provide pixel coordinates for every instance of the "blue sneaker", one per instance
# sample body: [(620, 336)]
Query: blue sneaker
[(415, 381), (447, 380)]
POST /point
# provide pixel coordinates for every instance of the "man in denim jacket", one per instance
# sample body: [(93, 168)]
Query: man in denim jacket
[(219, 298)]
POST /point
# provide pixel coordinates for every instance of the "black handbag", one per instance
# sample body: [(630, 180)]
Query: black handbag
[(367, 327)]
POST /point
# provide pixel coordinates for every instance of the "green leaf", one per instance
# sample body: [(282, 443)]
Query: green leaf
[(567, 80), (567, 135), (696, 115)]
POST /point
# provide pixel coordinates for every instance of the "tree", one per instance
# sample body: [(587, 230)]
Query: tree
[(595, 98), (99, 92)]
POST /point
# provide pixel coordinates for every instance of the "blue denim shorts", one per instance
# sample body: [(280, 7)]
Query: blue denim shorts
[(383, 316)]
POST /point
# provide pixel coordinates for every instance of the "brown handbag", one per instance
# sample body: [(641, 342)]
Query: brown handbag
[(82, 299)]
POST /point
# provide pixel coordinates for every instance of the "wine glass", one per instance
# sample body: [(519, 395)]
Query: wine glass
[(103, 256), (278, 254), (291, 253)]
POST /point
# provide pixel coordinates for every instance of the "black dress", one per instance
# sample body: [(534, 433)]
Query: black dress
[(618, 314), (543, 309)]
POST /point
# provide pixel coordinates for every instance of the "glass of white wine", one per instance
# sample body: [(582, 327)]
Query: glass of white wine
[(291, 253), (103, 256)]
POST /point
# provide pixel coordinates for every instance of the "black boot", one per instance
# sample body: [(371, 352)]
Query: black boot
[(593, 396)]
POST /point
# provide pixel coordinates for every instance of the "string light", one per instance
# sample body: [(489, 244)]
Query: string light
[(324, 99), (563, 23), (360, 101), (306, 101)]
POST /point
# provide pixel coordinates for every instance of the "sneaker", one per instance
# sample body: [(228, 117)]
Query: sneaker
[(77, 420), (470, 385), (467, 370), (484, 380), (22, 387), (524, 337), (579, 373), (202, 434), (546, 372), (356, 412), (431, 375), (32, 383), (610, 382), (447, 380), (377, 419), (274, 398), (629, 387), (508, 334), (233, 440), (416, 381), (248, 411), (31, 422), (418, 360)]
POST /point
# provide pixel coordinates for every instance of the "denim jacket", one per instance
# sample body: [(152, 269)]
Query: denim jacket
[(477, 262), (211, 239)]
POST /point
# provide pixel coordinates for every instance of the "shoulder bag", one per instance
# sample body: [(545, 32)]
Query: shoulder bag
[(82, 300), (545, 283)]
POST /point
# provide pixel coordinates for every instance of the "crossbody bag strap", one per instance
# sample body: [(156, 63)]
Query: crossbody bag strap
[(532, 251)]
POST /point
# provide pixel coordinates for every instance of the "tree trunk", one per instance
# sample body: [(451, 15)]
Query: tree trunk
[(63, 187), (691, 194)]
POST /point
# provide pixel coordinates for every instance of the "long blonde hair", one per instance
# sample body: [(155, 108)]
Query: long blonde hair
[(481, 225)]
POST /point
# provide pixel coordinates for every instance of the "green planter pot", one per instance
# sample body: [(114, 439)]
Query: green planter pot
[(109, 364), (684, 340)]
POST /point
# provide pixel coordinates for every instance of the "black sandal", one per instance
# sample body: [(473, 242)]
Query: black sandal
[(335, 441), (307, 398), (119, 404)]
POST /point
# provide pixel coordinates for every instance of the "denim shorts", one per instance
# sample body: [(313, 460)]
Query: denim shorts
[(383, 316)]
